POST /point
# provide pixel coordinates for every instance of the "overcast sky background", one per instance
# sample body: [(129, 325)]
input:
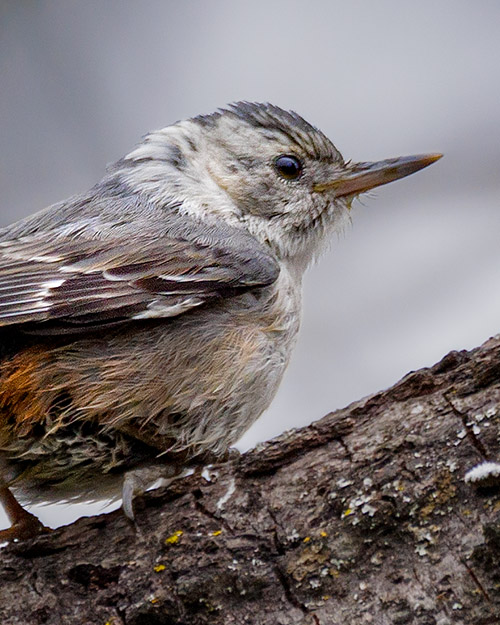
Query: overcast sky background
[(418, 273)]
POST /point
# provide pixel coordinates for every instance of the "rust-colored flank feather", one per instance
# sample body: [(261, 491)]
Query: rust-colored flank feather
[(23, 400)]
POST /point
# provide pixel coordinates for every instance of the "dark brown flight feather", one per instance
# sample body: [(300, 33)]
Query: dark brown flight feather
[(98, 281)]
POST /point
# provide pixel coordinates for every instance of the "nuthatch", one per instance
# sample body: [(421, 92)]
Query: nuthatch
[(149, 321)]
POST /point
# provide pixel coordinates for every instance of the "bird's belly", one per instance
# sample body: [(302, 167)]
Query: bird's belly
[(213, 398), (104, 405)]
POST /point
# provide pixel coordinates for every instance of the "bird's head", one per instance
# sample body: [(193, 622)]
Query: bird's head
[(262, 168)]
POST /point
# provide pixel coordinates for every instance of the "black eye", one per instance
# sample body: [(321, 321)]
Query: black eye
[(288, 167)]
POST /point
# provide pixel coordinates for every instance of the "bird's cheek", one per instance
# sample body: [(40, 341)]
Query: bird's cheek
[(261, 201)]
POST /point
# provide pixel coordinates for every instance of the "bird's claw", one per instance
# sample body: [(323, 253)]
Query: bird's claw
[(28, 526), (137, 482)]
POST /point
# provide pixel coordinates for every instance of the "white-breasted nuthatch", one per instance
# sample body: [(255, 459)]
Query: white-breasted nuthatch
[(152, 318)]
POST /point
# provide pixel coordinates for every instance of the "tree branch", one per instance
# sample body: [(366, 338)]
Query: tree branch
[(362, 517)]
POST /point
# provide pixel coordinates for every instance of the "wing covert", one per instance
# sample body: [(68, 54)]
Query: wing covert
[(81, 282)]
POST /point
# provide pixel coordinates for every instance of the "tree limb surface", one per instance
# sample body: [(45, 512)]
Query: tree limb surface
[(361, 518)]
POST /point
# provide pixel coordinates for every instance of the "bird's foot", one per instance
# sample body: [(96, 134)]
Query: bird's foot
[(23, 524), (27, 526), (138, 481)]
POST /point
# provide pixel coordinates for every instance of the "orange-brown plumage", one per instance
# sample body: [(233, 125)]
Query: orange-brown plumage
[(24, 400)]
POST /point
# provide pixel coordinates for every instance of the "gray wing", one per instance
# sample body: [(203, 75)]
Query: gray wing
[(79, 283)]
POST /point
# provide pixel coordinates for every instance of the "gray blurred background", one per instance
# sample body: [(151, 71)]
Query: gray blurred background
[(418, 273)]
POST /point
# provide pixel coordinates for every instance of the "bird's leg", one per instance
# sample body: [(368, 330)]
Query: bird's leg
[(23, 523)]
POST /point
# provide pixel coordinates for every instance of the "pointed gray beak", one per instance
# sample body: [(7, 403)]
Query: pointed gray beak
[(360, 177)]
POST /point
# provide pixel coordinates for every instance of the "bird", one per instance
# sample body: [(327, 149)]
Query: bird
[(147, 323)]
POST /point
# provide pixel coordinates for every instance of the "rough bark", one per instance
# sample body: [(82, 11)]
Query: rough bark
[(362, 517)]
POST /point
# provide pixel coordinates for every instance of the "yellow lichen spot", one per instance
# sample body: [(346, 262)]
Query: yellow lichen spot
[(323, 534), (334, 572), (159, 567), (306, 539), (217, 533), (427, 510), (325, 597), (171, 540), (347, 512), (154, 600)]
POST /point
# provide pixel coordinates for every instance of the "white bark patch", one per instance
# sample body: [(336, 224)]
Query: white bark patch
[(225, 498), (484, 474)]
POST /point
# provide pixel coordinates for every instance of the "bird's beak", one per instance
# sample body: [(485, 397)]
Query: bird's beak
[(360, 177)]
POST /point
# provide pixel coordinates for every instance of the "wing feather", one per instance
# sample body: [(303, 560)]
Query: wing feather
[(91, 282)]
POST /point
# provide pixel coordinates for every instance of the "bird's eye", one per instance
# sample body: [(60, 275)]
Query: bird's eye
[(288, 167)]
